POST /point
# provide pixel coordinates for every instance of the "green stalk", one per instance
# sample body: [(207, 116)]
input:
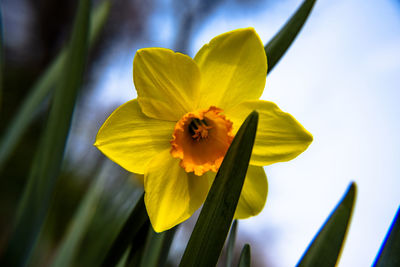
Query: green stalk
[(43, 87), (35, 200)]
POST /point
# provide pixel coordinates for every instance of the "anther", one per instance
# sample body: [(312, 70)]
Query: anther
[(198, 129)]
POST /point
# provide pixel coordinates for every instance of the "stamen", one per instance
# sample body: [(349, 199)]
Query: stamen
[(198, 129)]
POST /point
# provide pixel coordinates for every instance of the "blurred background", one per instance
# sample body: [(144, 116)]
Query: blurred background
[(340, 79)]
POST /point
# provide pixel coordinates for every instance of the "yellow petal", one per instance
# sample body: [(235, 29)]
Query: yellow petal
[(131, 139), (233, 68), (167, 83), (254, 193), (171, 194), (279, 136)]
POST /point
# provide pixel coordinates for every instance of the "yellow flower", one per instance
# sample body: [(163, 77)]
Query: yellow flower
[(186, 114)]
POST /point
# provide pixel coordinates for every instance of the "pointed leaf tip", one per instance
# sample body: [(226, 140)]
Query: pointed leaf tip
[(326, 246), (281, 42), (245, 258)]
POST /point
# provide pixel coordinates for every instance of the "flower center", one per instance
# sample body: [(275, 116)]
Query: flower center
[(201, 139), (199, 129)]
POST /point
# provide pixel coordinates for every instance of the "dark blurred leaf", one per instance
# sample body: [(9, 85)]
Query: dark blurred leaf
[(325, 248), (123, 261), (136, 250), (113, 210), (68, 250), (389, 254), (35, 200), (129, 232), (42, 88), (245, 258), (215, 219), (230, 248), (157, 248), (99, 219), (277, 47)]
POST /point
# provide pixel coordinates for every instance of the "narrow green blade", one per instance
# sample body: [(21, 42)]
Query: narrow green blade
[(245, 259), (35, 200), (131, 229), (42, 88), (112, 212), (67, 252), (137, 248), (157, 248), (277, 47), (389, 254), (215, 219), (230, 248), (123, 260), (326, 246)]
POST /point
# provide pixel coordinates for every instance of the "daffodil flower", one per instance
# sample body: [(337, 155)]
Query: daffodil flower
[(185, 116)]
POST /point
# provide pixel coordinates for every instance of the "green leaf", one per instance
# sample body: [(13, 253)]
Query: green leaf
[(99, 219), (245, 259), (230, 249), (68, 250), (136, 250), (277, 47), (157, 248), (29, 108), (35, 200), (389, 254), (112, 212), (132, 228), (215, 219), (326, 246), (122, 262)]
